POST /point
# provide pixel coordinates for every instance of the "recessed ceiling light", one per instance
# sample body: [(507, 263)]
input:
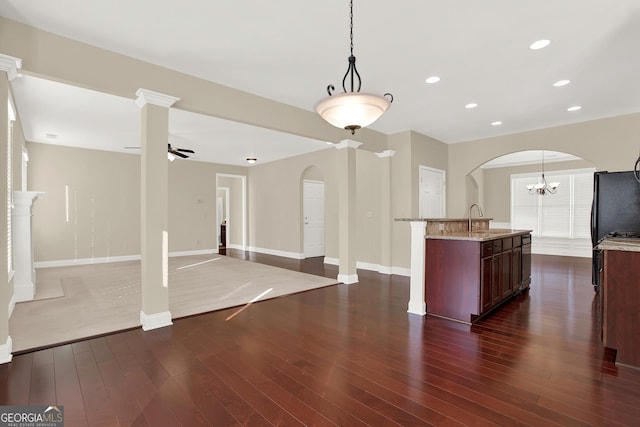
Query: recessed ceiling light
[(496, 123), (50, 135), (251, 160), (432, 79), (561, 83), (574, 108), (540, 44), (471, 105)]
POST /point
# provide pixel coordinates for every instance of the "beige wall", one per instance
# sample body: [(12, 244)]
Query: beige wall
[(411, 150), (497, 185), (275, 200), (104, 203), (610, 144)]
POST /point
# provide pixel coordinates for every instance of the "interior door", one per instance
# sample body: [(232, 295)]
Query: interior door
[(313, 218), (432, 193)]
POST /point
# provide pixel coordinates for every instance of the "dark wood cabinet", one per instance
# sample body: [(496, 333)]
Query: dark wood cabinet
[(465, 279), (619, 295)]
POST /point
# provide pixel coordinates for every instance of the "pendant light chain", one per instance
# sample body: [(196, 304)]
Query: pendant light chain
[(352, 110), (351, 25)]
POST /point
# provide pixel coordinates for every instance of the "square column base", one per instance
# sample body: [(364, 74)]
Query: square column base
[(155, 321), (348, 279), (5, 351)]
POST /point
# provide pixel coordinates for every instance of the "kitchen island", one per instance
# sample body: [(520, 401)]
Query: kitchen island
[(619, 299), (467, 275)]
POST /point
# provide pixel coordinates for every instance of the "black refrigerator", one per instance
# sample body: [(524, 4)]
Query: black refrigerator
[(615, 211)]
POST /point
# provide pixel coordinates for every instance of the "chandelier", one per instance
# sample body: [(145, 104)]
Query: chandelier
[(352, 110), (542, 187)]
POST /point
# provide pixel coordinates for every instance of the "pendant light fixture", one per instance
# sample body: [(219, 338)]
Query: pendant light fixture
[(352, 110), (542, 187)]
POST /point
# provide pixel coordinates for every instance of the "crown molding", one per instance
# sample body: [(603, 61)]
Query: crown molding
[(10, 65), (386, 153), (146, 96), (347, 143)]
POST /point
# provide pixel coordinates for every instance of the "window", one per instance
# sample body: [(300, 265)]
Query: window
[(565, 214)]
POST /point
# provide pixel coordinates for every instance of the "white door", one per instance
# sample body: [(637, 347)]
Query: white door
[(313, 218), (432, 193)]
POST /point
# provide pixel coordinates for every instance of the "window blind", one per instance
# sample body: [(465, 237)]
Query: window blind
[(565, 214)]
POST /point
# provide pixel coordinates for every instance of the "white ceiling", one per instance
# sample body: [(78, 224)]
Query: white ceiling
[(290, 50)]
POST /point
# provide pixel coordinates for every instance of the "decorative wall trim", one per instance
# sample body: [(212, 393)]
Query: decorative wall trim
[(5, 351), (146, 96), (347, 143), (348, 279), (102, 260), (11, 65), (294, 255), (155, 321), (12, 305), (562, 247), (385, 153)]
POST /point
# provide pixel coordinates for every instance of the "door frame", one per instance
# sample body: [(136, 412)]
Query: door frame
[(243, 181), (443, 200), (304, 234)]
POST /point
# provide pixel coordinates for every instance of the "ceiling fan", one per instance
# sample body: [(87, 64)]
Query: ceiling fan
[(173, 152)]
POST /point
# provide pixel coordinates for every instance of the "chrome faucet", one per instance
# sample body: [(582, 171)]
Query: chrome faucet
[(479, 214)]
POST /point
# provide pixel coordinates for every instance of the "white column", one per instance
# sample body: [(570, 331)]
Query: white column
[(347, 272), (24, 279), (386, 221), (416, 288), (9, 67), (154, 213)]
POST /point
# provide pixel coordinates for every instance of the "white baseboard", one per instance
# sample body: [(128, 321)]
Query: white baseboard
[(5, 351), (155, 321), (285, 254), (348, 279), (24, 291), (373, 267), (400, 271), (103, 260), (331, 261), (196, 252)]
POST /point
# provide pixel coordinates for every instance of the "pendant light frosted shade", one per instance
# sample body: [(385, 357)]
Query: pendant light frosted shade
[(352, 110)]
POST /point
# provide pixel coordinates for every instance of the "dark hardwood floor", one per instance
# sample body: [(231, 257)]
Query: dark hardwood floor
[(346, 355)]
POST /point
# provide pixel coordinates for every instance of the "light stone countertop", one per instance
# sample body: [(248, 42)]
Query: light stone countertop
[(443, 219), (480, 235), (616, 244)]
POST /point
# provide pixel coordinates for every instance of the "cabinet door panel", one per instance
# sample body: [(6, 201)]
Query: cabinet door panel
[(496, 276), (505, 274), (486, 299)]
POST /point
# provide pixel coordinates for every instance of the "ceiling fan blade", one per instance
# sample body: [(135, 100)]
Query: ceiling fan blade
[(184, 156), (186, 150)]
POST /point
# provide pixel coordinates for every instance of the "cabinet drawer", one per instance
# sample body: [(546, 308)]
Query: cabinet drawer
[(526, 239), (507, 243), (517, 241), (497, 246), (487, 249)]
